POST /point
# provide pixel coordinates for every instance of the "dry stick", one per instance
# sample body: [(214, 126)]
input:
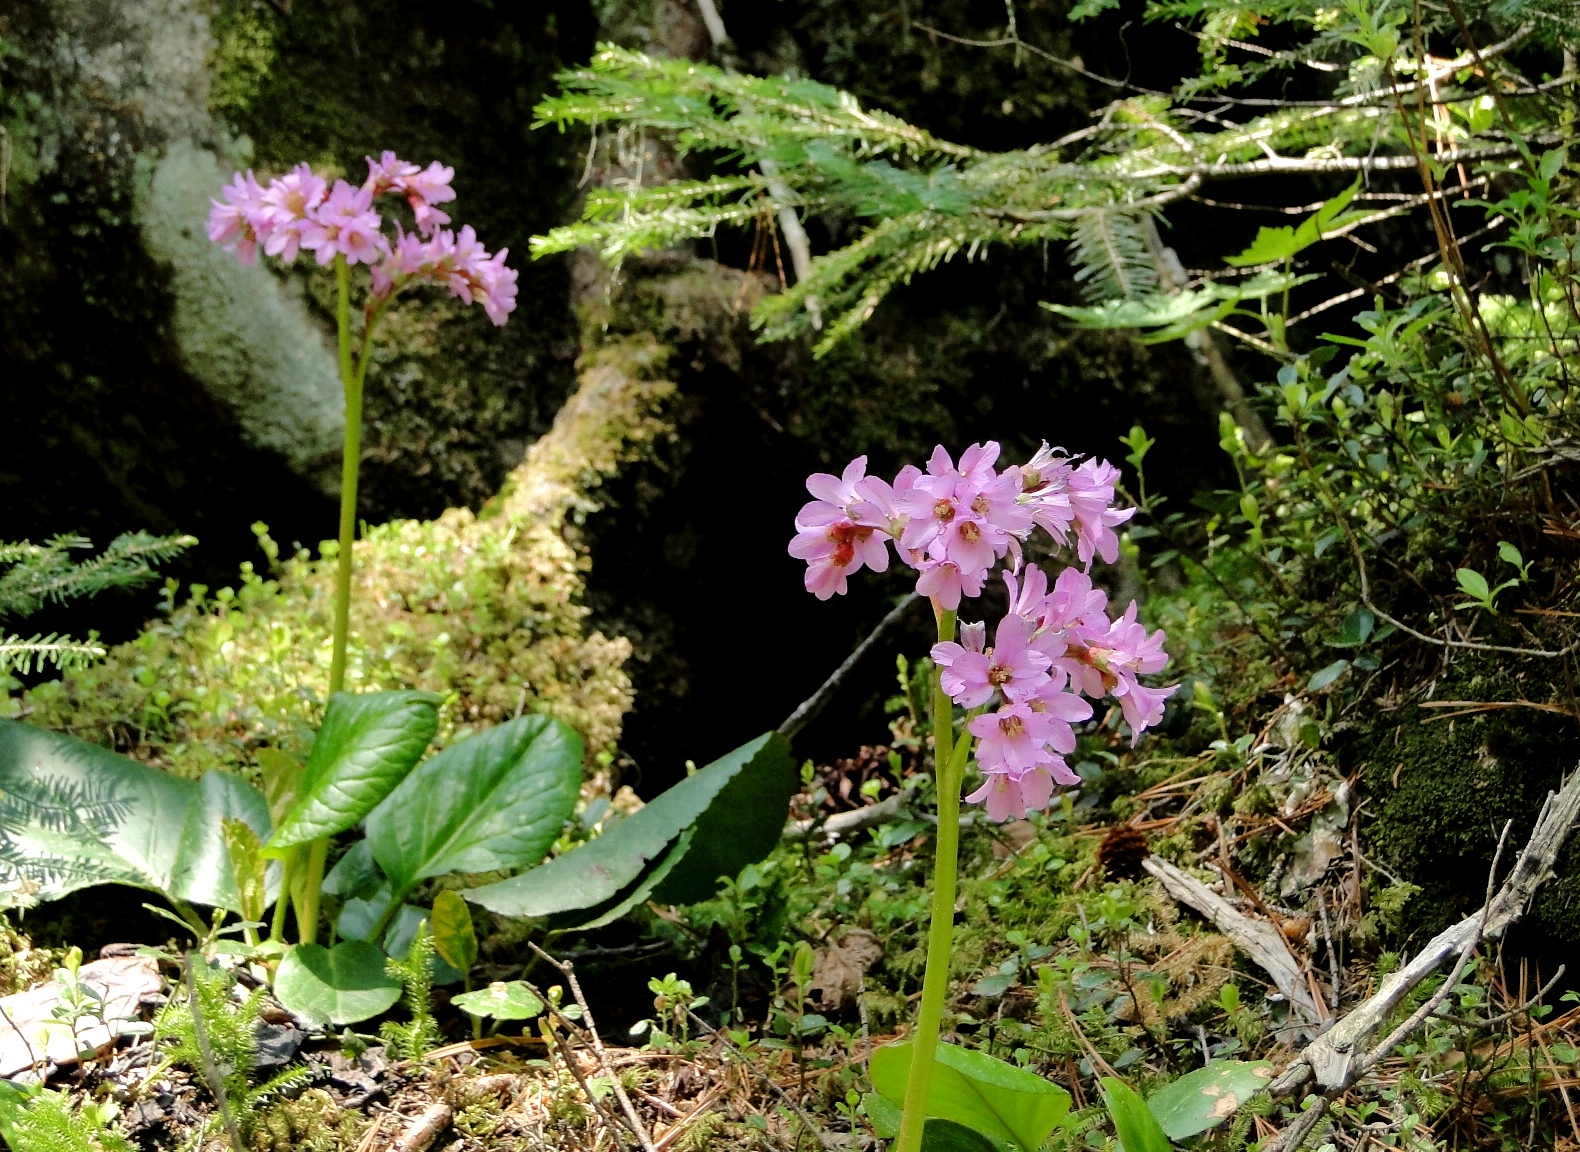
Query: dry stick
[(32, 1056), (612, 1120), (211, 1076), (808, 709), (591, 1029), (1337, 1059), (1333, 956), (1098, 1063), (823, 1138), (1517, 1010)]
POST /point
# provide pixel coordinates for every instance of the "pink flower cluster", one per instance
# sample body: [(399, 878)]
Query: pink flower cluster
[(952, 524), (1054, 652), (1052, 649), (301, 211)]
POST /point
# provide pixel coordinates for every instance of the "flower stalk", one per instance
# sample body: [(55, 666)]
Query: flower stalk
[(940, 932)]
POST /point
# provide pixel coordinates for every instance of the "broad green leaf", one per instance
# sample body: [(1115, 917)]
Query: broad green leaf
[(1138, 1129), (1472, 583), (502, 1000), (367, 745), (1009, 1105), (1207, 1097), (641, 888), (885, 1115), (201, 871), (281, 773), (360, 915), (495, 800), (336, 986), (948, 1136), (398, 938), (78, 815), (354, 874), (740, 825), (1356, 629), (453, 935), (737, 803)]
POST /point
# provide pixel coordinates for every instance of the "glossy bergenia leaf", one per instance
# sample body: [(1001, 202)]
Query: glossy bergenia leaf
[(495, 800), (597, 873), (77, 815), (366, 746), (336, 986), (1207, 1097), (1137, 1128), (1011, 1106)]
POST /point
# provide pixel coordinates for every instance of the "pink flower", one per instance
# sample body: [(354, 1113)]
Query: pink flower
[(1045, 483), (1010, 796), (234, 222), (1059, 709), (1142, 706), (423, 188), (829, 536), (1091, 496), (344, 224), (945, 583), (289, 204), (1012, 666), (1011, 738), (388, 173)]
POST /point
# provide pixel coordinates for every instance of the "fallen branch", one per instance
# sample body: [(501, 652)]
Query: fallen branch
[(590, 1029), (815, 703), (1258, 939), (1337, 1059)]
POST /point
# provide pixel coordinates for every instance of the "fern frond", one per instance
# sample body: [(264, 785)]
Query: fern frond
[(45, 651), (45, 573), (1111, 258)]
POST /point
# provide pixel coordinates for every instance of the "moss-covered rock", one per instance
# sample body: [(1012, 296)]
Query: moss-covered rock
[(1440, 786), (483, 608)]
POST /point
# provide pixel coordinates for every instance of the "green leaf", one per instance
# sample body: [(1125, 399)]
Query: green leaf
[(77, 815), (502, 1000), (1007, 1104), (201, 871), (495, 800), (281, 774), (947, 1136), (1275, 244), (367, 745), (1328, 675), (1138, 1129), (339, 986), (1472, 583), (885, 1115), (1552, 163), (737, 805), (354, 874), (1207, 1097), (1356, 629), (453, 934), (637, 892)]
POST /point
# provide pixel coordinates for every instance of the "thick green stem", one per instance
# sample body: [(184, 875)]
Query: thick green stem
[(350, 457), (352, 373), (948, 774), (312, 882), (283, 902)]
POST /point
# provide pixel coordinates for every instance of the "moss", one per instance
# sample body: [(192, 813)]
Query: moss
[(1440, 791), (483, 608)]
